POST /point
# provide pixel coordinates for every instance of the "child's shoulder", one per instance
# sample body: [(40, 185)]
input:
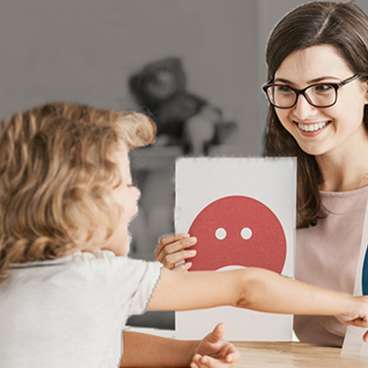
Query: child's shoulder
[(105, 261), (82, 268), (106, 258), (82, 264)]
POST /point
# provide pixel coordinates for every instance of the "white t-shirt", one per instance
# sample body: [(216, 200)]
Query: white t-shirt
[(70, 312)]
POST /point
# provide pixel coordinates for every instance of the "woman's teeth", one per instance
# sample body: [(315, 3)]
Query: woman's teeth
[(312, 127)]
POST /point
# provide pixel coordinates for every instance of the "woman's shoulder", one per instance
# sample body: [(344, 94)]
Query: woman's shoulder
[(345, 202)]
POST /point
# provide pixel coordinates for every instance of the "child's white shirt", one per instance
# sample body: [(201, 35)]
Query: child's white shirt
[(71, 312)]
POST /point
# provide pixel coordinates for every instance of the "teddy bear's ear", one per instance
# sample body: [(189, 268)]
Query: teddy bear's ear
[(173, 64), (133, 83), (137, 87)]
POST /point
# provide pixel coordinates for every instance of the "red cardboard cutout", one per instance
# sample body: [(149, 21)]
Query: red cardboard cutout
[(238, 231)]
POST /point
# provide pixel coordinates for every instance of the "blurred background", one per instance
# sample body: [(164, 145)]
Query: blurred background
[(196, 66)]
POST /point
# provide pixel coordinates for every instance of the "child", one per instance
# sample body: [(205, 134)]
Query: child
[(66, 199)]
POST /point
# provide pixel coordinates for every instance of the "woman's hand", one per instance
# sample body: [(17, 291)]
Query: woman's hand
[(214, 352), (358, 316), (172, 251)]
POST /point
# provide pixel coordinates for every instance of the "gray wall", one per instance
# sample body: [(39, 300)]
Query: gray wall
[(85, 50)]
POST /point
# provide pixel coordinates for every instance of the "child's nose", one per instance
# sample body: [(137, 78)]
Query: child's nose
[(137, 193)]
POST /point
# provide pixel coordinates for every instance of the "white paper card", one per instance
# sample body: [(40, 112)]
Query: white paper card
[(242, 211)]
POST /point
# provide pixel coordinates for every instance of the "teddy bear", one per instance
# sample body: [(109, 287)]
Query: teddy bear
[(182, 118)]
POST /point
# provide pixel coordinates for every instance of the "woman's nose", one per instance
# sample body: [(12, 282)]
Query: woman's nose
[(303, 109)]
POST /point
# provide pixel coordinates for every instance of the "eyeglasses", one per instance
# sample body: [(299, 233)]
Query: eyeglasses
[(322, 95)]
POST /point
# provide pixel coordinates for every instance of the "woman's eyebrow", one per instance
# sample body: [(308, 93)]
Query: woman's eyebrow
[(316, 80)]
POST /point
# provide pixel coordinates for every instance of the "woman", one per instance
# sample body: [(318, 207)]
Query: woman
[(317, 59)]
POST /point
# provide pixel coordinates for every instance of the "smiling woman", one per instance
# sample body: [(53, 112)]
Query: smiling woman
[(317, 58), (317, 92)]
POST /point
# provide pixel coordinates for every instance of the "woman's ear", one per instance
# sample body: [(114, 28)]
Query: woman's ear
[(366, 91)]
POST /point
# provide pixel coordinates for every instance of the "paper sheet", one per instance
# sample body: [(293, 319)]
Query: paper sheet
[(242, 211)]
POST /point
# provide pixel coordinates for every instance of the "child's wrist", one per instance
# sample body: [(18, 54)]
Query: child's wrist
[(350, 305), (193, 346), (189, 349)]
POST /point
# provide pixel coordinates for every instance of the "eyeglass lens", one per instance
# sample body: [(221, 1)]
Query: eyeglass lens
[(319, 95)]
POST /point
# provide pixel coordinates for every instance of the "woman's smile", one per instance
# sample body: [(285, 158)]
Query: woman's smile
[(312, 129)]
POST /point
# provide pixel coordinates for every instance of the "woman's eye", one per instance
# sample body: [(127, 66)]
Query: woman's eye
[(283, 89), (323, 88)]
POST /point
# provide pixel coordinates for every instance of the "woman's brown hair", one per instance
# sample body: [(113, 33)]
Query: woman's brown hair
[(58, 169), (342, 25)]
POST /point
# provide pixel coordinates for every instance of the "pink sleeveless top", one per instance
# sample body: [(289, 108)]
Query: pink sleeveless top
[(327, 256)]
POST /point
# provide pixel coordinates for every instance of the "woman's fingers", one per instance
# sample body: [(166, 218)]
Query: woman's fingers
[(171, 249), (180, 245), (166, 239), (360, 323), (182, 267), (365, 337), (170, 238), (171, 260)]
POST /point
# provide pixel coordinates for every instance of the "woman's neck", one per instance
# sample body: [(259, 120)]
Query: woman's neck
[(345, 168)]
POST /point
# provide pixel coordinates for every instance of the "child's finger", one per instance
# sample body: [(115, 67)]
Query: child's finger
[(196, 361), (216, 334), (219, 331), (225, 351), (233, 357), (229, 353), (207, 361)]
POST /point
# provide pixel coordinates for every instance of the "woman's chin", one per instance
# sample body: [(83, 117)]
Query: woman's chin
[(314, 149)]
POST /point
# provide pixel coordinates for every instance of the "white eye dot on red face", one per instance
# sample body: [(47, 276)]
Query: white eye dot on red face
[(246, 233), (220, 233)]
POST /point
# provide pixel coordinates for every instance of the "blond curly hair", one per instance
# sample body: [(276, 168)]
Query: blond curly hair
[(58, 169)]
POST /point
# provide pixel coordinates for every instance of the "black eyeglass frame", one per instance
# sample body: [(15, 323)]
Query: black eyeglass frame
[(298, 92)]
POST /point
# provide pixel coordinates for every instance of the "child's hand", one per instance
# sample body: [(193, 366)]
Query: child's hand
[(358, 316), (214, 352), (172, 252)]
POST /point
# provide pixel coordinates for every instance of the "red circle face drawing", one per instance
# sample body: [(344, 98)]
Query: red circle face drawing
[(238, 231)]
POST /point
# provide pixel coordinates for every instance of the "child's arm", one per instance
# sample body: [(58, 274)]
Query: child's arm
[(256, 289), (143, 350), (164, 352)]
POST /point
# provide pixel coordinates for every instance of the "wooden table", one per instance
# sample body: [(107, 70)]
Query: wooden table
[(293, 355)]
